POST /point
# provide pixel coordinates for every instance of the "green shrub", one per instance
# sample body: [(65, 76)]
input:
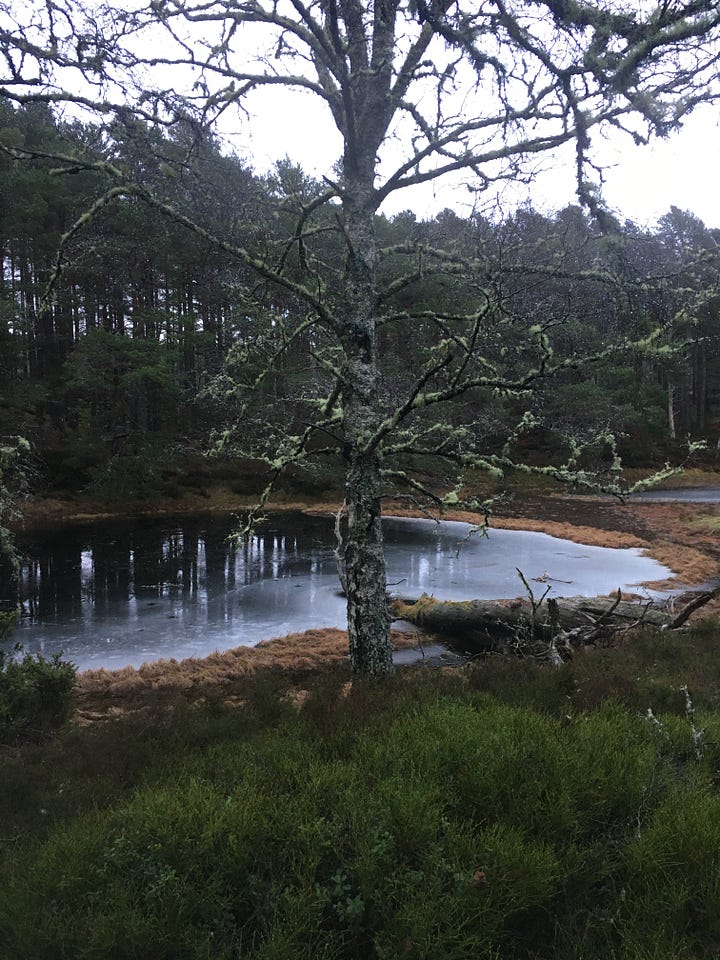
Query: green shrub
[(672, 881), (417, 818), (35, 695)]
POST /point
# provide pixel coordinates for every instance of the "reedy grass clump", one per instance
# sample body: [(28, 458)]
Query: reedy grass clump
[(419, 818)]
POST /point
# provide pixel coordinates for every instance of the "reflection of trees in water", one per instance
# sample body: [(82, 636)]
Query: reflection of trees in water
[(189, 559), (219, 564), (108, 563), (9, 587), (150, 566), (111, 569), (274, 555), (52, 582)]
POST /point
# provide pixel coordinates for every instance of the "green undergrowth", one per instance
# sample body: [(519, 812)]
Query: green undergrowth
[(36, 693), (506, 810)]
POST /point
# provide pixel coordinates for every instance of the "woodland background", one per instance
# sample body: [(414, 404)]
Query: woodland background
[(120, 380)]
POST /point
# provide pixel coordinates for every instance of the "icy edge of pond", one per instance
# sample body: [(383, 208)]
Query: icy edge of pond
[(483, 565)]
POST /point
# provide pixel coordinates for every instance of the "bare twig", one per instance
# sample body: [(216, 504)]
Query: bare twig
[(691, 607)]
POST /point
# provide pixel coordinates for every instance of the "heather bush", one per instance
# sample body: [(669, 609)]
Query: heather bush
[(36, 695), (419, 818)]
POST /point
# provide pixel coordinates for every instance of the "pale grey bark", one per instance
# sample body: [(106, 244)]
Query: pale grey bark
[(368, 619)]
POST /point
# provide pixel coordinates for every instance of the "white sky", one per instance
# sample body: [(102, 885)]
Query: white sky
[(642, 183)]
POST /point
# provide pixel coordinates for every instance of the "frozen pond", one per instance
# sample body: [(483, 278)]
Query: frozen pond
[(688, 495), (109, 594)]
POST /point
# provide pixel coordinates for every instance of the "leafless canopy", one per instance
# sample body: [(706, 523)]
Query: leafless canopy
[(417, 89)]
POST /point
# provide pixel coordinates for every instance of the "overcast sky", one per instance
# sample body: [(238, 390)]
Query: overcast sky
[(642, 183)]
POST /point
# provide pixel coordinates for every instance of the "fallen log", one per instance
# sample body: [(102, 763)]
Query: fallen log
[(536, 625), (508, 615)]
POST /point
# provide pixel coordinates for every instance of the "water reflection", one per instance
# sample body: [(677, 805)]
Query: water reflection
[(116, 593), (113, 593)]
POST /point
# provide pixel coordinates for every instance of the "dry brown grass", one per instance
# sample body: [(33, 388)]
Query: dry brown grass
[(577, 533), (680, 540), (102, 694), (708, 524), (691, 565)]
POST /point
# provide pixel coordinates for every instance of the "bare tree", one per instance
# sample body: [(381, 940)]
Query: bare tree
[(418, 91)]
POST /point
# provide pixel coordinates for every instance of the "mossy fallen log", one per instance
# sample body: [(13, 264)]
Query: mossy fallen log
[(502, 615), (485, 622)]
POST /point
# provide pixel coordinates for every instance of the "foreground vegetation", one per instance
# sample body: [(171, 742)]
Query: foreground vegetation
[(36, 694), (502, 810)]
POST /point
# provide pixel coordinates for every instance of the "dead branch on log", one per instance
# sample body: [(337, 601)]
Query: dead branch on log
[(691, 607)]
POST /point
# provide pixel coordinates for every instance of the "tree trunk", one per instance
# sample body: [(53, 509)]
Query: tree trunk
[(700, 385), (671, 409), (367, 612), (9, 588), (686, 408)]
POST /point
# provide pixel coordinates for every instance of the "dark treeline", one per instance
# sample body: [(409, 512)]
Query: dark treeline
[(119, 374)]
